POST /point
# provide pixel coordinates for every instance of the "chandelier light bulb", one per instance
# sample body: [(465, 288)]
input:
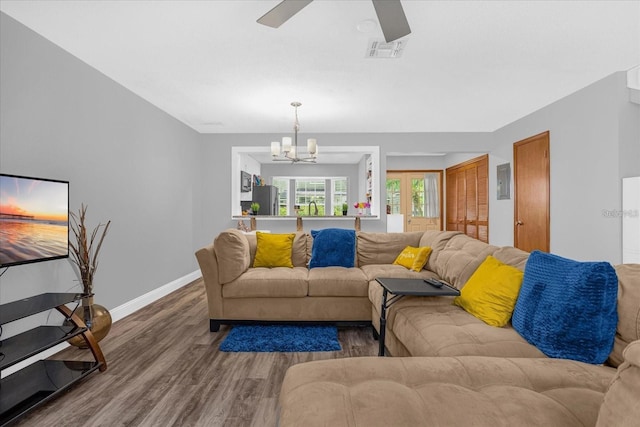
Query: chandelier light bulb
[(286, 144), (312, 145), (275, 148)]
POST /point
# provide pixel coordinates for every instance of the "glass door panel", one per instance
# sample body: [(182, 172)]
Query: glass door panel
[(417, 196), (393, 196)]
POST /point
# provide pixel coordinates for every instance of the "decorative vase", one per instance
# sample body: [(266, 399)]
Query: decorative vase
[(96, 317), (344, 213)]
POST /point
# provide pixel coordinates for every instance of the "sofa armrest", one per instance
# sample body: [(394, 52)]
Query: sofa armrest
[(209, 267)]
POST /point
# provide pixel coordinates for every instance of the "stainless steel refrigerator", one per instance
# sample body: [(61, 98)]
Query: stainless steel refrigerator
[(267, 196)]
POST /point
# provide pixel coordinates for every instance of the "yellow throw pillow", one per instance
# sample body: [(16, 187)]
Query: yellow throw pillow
[(273, 250), (413, 258), (491, 292)]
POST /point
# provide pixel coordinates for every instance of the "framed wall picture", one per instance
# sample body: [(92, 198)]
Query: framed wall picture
[(504, 181), (245, 182)]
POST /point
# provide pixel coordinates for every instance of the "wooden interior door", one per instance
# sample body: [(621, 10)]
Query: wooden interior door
[(418, 196), (468, 198), (471, 201), (461, 197), (532, 193), (453, 222)]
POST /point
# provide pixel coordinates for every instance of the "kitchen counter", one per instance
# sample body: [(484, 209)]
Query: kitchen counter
[(300, 219)]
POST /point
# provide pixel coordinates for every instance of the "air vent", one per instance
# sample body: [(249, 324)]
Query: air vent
[(382, 49)]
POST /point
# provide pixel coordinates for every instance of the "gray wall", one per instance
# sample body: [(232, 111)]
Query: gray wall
[(127, 160), (415, 163), (594, 143)]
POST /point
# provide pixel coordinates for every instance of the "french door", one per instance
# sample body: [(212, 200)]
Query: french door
[(417, 195)]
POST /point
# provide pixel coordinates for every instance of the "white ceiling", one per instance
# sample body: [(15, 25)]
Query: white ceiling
[(468, 65)]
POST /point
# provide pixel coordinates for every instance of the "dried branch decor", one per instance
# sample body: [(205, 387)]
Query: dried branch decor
[(85, 250)]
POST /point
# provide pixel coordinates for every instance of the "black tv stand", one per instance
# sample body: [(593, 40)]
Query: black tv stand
[(40, 382)]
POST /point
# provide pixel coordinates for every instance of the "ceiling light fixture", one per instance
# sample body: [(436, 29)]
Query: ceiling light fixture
[(288, 152)]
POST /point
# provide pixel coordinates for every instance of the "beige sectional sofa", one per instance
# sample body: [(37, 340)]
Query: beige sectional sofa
[(237, 292), (461, 370), (515, 387), (461, 391)]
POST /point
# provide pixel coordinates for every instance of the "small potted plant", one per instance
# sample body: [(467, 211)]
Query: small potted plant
[(255, 207), (84, 255), (345, 208)]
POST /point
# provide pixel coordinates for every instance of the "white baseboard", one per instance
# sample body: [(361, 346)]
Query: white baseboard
[(144, 300), (117, 313)]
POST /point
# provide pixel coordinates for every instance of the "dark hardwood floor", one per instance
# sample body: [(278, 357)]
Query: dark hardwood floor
[(164, 369)]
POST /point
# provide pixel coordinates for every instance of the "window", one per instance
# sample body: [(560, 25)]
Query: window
[(338, 194), (326, 193), (308, 191), (283, 195)]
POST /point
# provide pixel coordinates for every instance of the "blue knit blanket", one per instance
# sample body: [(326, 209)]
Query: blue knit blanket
[(568, 309)]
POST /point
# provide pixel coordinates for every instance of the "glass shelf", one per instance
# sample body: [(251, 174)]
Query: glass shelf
[(29, 306), (38, 383), (41, 381), (34, 341)]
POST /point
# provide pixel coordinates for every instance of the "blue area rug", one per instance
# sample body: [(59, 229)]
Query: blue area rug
[(267, 338)]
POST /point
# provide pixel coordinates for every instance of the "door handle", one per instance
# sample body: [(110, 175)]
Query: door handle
[(518, 222)]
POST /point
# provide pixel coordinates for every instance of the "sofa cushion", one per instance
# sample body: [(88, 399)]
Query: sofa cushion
[(628, 328), (567, 308), (460, 257), (383, 248), (512, 256), (442, 391), (621, 406), (413, 258), (448, 330), (273, 250), (269, 283), (491, 292), (232, 250), (436, 240), (333, 247), (337, 281), (299, 256)]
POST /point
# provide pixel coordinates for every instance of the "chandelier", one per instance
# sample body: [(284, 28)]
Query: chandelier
[(288, 152)]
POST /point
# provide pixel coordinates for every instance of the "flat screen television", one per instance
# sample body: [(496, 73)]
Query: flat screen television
[(34, 219)]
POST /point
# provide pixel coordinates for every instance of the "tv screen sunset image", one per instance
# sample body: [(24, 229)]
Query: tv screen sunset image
[(34, 219)]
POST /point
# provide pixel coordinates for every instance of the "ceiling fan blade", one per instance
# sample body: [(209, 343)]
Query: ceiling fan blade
[(282, 12), (392, 19)]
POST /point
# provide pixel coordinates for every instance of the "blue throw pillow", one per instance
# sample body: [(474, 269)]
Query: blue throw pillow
[(333, 247), (568, 309)]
